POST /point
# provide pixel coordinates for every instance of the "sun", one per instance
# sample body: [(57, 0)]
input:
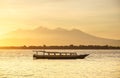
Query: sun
[(3, 32)]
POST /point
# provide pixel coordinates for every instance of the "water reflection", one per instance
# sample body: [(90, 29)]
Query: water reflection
[(20, 64)]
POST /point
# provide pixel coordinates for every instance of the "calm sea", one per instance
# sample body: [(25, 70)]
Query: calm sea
[(99, 64)]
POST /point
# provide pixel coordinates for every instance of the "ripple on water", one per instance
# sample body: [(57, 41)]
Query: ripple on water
[(104, 64)]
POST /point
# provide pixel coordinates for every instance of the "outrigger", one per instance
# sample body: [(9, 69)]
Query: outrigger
[(58, 55)]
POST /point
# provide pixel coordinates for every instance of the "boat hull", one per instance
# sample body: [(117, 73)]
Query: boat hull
[(59, 57)]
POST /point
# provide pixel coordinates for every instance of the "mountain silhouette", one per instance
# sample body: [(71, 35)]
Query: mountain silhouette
[(58, 36)]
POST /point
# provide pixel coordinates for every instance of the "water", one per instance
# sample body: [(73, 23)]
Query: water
[(99, 64)]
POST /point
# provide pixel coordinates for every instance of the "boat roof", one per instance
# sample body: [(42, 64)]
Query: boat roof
[(55, 52)]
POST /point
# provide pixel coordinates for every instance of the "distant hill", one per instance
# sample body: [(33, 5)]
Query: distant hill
[(58, 36)]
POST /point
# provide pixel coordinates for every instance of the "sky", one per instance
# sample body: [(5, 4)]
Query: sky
[(97, 17)]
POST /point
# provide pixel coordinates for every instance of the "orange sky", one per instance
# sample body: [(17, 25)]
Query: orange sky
[(97, 17)]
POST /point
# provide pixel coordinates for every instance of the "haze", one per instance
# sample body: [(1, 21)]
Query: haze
[(58, 36), (97, 17)]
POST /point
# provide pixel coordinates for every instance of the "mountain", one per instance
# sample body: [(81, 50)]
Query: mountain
[(58, 36)]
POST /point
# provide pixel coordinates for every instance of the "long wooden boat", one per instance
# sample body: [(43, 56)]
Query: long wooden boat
[(58, 55)]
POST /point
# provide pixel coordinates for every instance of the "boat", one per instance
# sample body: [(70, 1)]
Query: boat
[(58, 55)]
